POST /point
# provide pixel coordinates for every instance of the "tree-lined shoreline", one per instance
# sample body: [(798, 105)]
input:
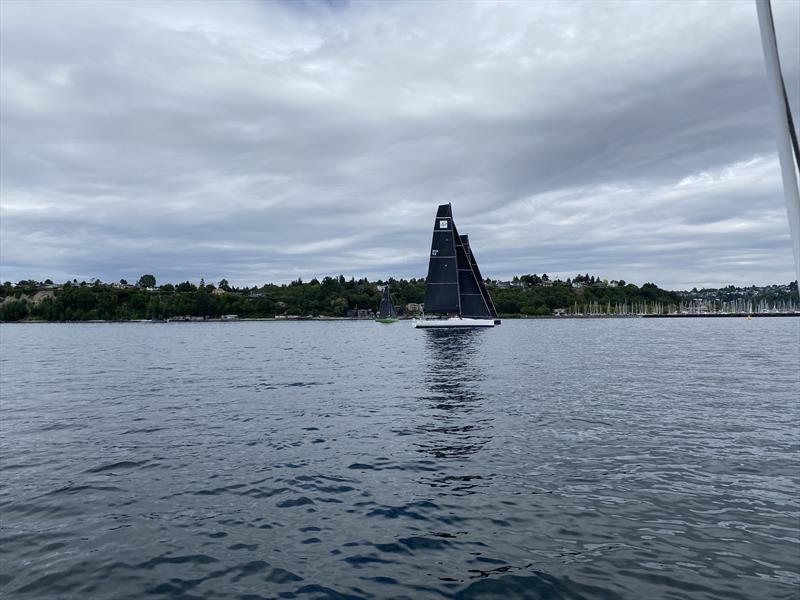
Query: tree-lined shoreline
[(337, 297)]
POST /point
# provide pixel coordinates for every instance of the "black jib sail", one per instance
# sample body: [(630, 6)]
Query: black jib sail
[(484, 291), (469, 290), (386, 310), (453, 285)]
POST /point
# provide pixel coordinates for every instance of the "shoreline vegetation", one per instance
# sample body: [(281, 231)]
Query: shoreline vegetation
[(323, 319), (337, 298)]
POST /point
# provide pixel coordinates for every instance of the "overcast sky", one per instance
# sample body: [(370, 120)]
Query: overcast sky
[(262, 141)]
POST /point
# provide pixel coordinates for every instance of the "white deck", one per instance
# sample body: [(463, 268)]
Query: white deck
[(453, 322)]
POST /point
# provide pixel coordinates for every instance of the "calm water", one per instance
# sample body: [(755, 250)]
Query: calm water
[(542, 459)]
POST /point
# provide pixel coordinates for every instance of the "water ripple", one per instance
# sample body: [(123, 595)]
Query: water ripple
[(542, 459)]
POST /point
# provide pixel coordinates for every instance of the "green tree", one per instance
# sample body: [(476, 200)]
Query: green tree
[(147, 281), (202, 302), (14, 311)]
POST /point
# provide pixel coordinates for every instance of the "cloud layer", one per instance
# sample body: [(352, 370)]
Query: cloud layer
[(266, 141)]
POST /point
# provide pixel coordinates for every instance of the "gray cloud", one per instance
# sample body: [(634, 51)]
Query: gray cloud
[(266, 141)]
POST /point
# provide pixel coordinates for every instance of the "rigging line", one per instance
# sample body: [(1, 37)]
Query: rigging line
[(786, 105), (786, 136)]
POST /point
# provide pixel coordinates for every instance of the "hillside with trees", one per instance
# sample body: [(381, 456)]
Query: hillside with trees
[(526, 295), (73, 301)]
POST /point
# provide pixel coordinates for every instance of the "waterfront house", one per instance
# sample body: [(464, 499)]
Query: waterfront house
[(414, 307)]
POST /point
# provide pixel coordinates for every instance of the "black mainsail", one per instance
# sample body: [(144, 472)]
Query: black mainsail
[(386, 309), (441, 284), (454, 285)]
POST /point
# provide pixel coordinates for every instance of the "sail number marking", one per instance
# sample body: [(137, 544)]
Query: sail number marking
[(434, 252), (442, 224)]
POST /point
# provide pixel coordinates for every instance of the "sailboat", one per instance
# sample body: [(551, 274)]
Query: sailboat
[(386, 311), (455, 292)]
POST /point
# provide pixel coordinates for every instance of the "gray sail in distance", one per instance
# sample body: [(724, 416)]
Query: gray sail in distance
[(386, 310), (474, 264), (441, 284), (452, 285)]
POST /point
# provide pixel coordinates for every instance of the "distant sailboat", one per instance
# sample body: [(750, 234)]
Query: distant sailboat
[(386, 312), (454, 288)]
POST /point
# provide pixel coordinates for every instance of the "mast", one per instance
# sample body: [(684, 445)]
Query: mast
[(392, 311), (788, 148)]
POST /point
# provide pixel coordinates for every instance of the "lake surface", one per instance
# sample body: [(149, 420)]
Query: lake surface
[(540, 459)]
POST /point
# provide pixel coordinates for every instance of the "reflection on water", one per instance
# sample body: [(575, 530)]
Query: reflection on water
[(458, 420), (451, 356)]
